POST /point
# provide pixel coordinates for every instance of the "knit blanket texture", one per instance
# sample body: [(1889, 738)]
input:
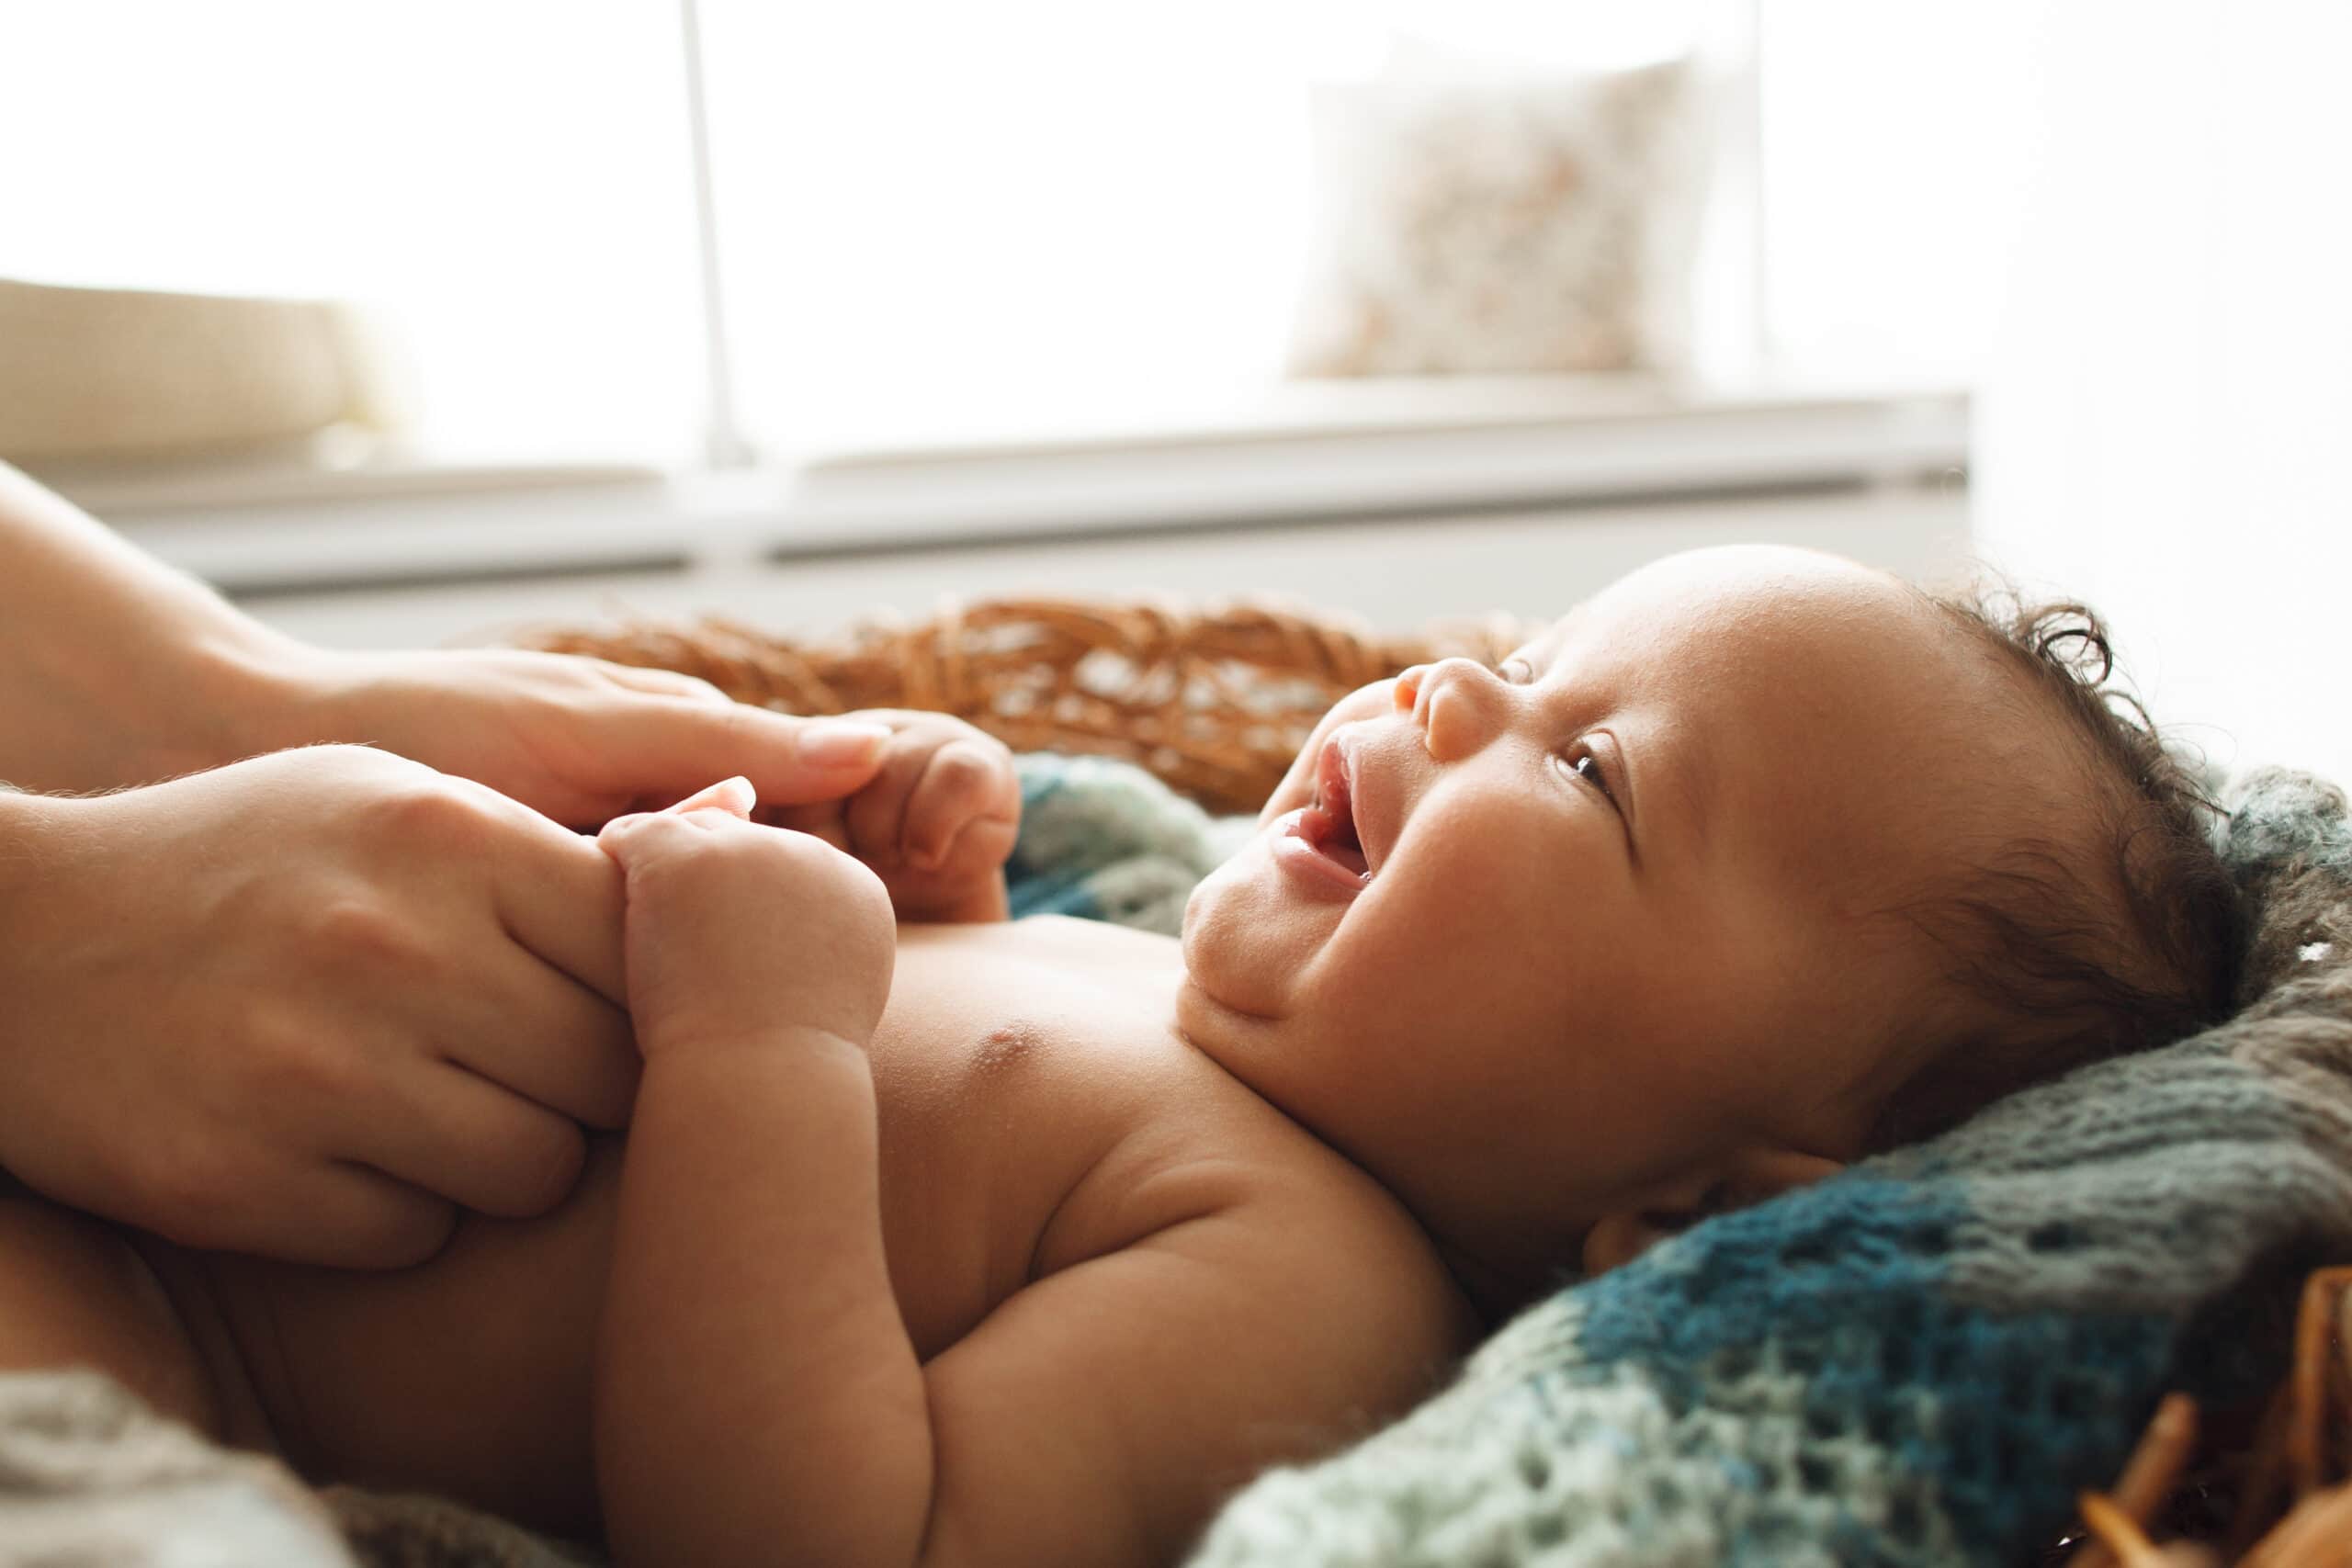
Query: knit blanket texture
[(1918, 1362)]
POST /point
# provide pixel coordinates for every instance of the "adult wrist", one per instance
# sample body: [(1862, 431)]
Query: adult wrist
[(26, 820), (86, 720), (27, 823), (253, 693), (228, 696)]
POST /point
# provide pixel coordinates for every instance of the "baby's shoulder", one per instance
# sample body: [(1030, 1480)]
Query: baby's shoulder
[(1326, 1217), (1273, 1316), (1296, 1222)]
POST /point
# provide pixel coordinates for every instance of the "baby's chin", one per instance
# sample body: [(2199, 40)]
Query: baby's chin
[(1248, 937)]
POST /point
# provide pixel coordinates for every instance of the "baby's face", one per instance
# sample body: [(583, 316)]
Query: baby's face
[(1535, 944)]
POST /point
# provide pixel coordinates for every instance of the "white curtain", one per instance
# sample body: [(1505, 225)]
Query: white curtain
[(2166, 413)]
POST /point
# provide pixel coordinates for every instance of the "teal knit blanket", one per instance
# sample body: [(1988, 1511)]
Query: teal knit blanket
[(1920, 1362)]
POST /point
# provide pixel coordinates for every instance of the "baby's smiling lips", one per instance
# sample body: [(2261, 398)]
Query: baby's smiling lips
[(1329, 824), (1320, 843)]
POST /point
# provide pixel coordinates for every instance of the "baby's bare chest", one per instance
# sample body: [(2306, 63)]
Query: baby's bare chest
[(1037, 1108)]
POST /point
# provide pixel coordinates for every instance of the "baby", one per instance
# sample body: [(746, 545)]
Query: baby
[(1031, 1242)]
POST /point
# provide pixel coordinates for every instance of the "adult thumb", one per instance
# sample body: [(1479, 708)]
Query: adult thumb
[(735, 796)]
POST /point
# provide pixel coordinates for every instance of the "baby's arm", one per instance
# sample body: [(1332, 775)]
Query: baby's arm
[(1103, 1413), (757, 1396), (753, 1383), (936, 821)]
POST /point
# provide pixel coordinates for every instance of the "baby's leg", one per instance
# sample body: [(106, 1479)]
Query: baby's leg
[(73, 1292)]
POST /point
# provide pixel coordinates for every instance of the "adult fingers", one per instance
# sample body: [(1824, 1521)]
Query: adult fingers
[(561, 900), (818, 820), (472, 1141), (329, 1213), (788, 759), (545, 1036), (662, 682)]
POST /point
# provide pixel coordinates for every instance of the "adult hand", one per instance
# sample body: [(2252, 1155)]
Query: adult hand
[(116, 669), (301, 1005), (581, 739)]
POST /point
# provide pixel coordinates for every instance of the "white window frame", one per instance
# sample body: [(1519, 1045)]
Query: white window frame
[(1310, 451)]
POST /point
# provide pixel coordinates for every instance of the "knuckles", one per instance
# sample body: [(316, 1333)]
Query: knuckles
[(355, 934), (434, 811), (300, 1064)]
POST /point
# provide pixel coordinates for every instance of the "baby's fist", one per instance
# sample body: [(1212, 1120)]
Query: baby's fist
[(937, 820), (734, 929)]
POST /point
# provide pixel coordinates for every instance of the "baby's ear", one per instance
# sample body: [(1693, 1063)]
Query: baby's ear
[(1747, 1178)]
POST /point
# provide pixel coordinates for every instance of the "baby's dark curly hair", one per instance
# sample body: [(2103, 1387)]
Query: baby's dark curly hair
[(2084, 945)]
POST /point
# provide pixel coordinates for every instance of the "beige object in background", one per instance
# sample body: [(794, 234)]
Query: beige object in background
[(1491, 223), (93, 374)]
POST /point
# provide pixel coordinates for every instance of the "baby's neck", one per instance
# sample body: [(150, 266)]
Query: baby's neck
[(1495, 1292)]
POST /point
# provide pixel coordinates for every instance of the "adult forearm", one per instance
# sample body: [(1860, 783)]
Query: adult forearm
[(114, 668), (757, 1396)]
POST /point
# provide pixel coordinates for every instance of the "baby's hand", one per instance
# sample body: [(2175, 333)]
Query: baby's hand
[(736, 930), (935, 822)]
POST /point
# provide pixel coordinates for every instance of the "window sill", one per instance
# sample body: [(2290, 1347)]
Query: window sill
[(1325, 452)]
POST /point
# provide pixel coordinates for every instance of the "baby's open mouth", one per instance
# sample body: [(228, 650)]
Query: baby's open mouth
[(1329, 824)]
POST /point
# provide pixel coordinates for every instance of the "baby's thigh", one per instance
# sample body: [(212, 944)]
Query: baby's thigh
[(74, 1293)]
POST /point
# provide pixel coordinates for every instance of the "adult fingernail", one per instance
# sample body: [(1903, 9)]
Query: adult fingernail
[(735, 795), (841, 742)]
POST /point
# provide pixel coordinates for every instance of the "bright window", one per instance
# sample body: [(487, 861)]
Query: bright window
[(1023, 217), (507, 182)]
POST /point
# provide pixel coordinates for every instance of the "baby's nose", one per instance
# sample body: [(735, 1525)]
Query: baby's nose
[(1454, 702)]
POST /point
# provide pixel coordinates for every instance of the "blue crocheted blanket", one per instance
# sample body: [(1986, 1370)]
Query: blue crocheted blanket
[(1920, 1362)]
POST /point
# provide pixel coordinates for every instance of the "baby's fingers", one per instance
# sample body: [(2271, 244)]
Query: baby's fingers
[(875, 818), (968, 785), (652, 838), (640, 834)]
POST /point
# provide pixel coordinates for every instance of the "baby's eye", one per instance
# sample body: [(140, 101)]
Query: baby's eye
[(1518, 672), (1582, 764)]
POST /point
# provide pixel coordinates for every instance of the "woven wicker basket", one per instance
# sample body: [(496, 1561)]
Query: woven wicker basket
[(1216, 702)]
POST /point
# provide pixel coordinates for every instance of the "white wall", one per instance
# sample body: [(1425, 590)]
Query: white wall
[(2163, 425)]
